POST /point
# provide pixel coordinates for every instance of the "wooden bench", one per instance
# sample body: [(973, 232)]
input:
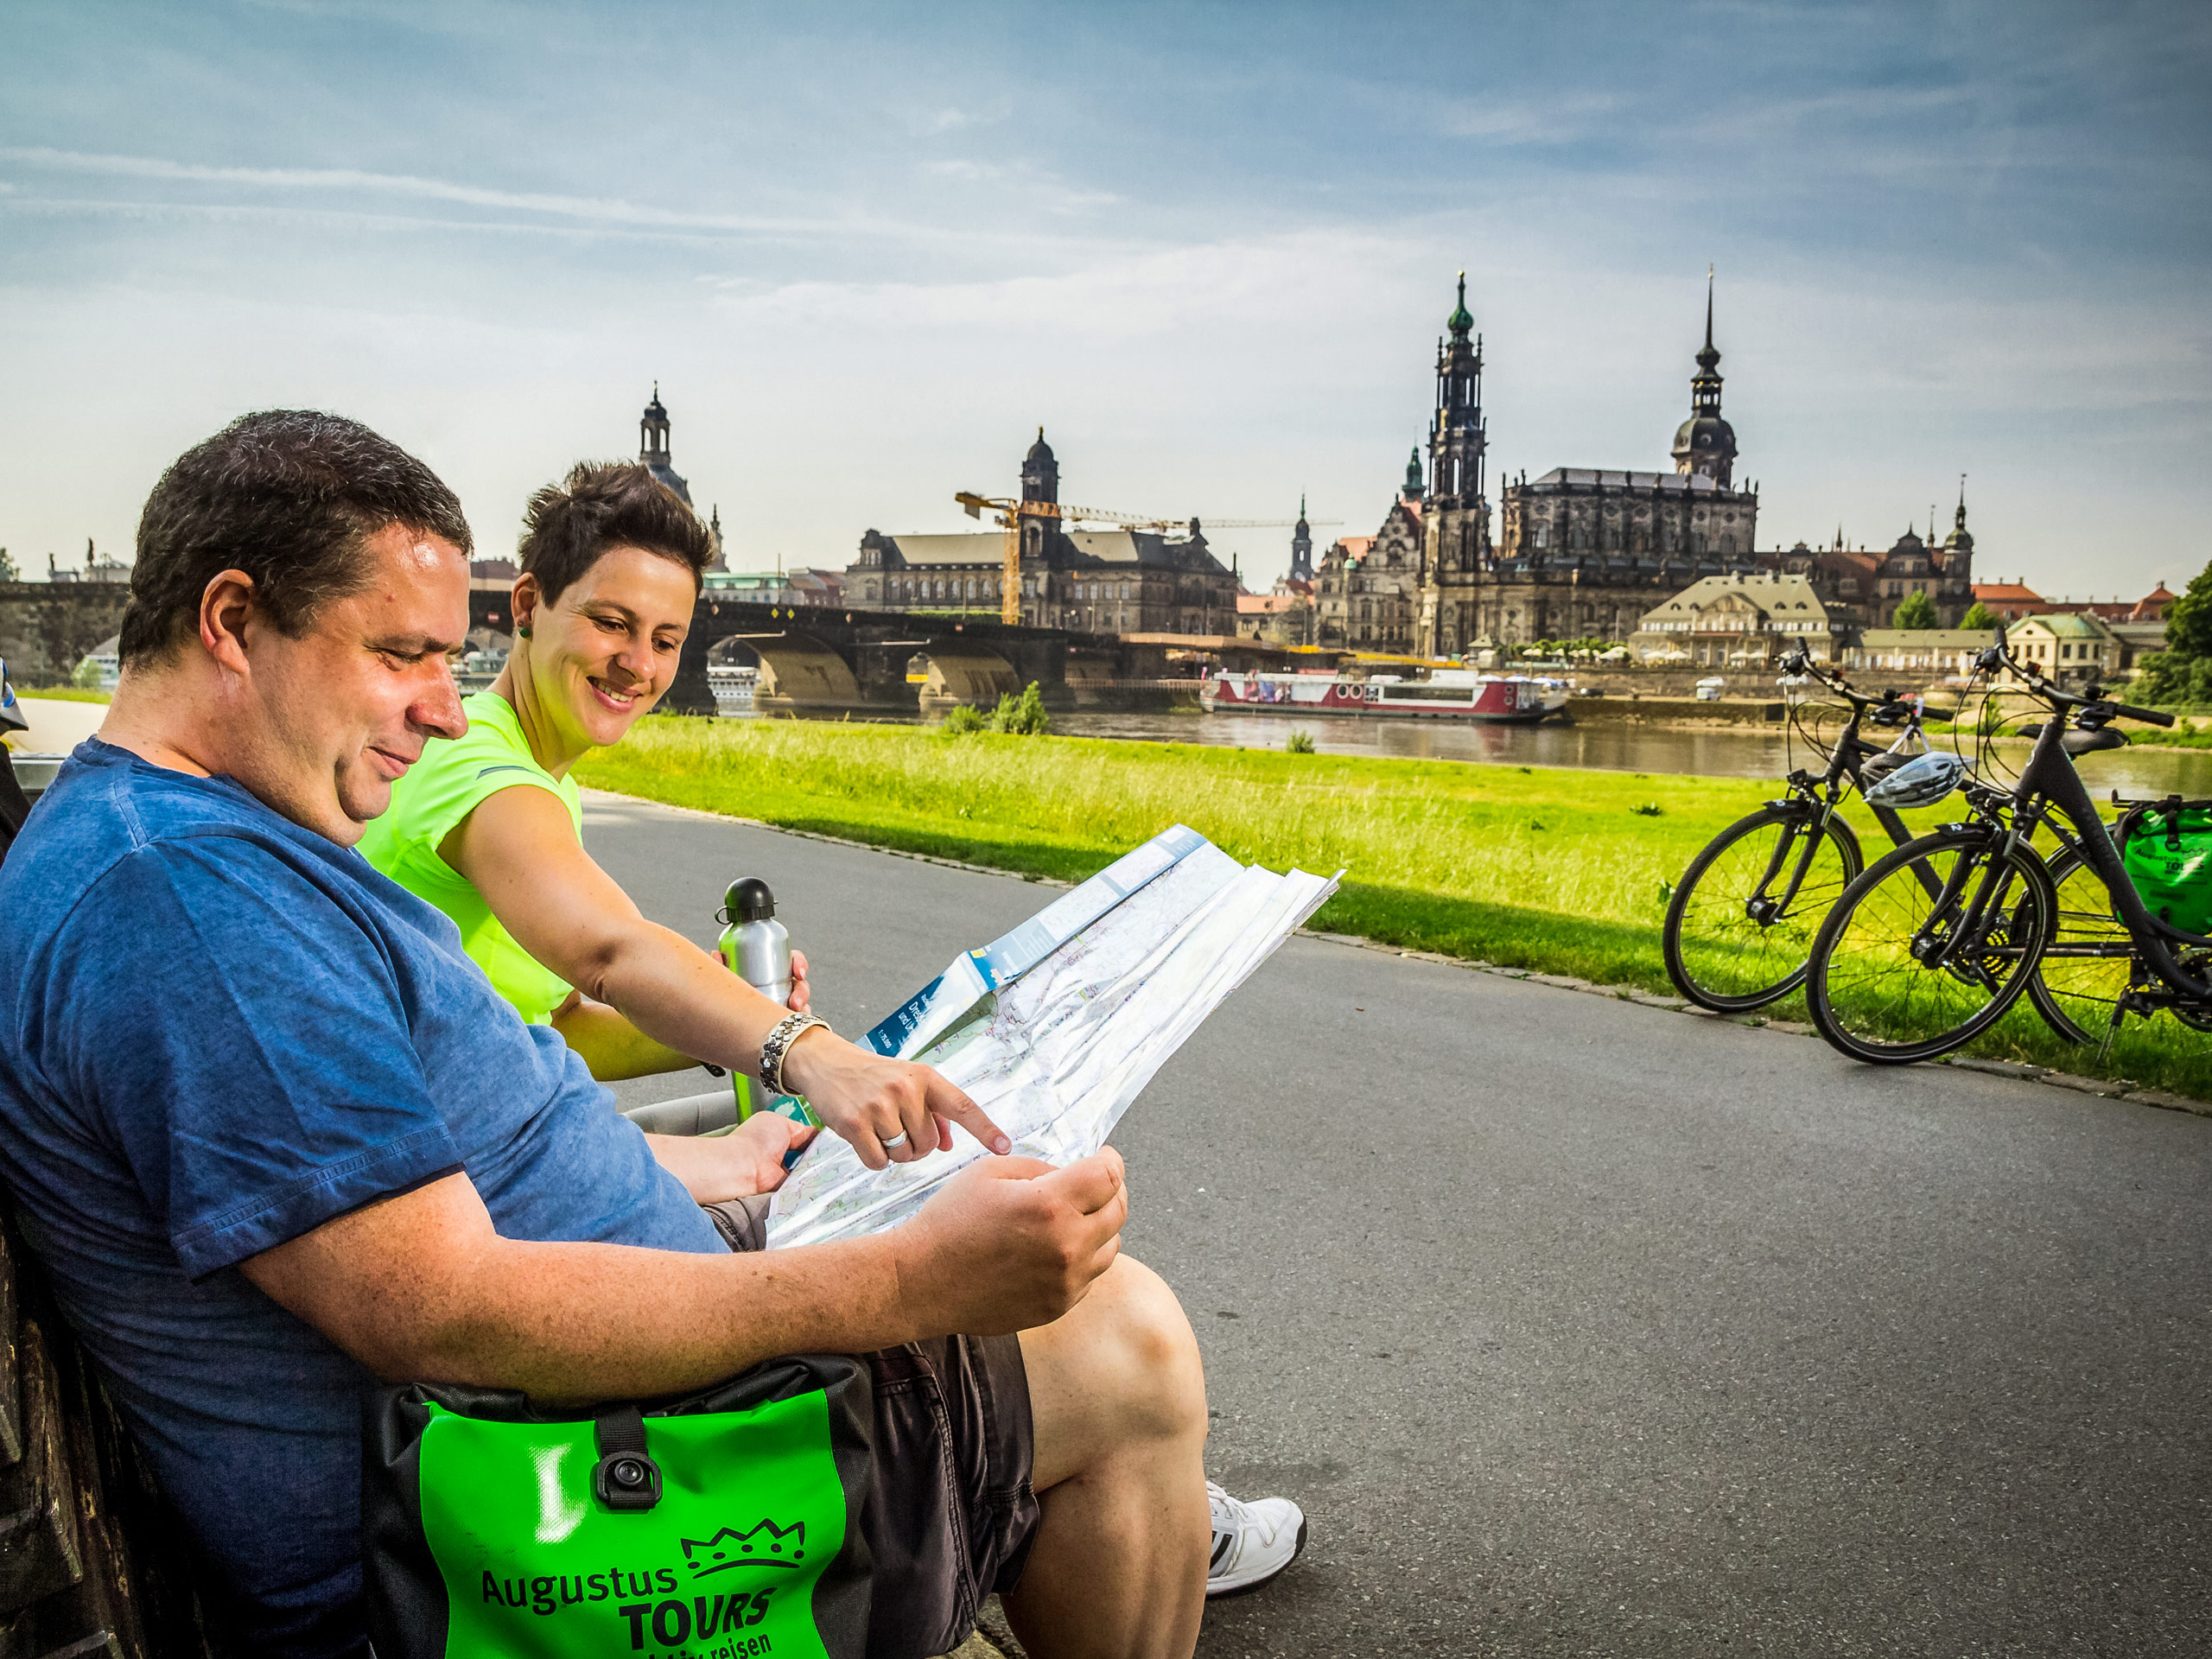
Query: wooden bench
[(91, 1562)]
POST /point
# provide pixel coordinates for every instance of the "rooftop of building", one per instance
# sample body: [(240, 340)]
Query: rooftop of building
[(1598, 478), (2066, 624), (1770, 593)]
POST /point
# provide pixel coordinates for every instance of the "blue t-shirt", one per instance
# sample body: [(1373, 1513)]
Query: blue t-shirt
[(220, 1031)]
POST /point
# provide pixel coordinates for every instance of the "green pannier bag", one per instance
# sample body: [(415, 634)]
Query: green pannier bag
[(2167, 853), (720, 1526)]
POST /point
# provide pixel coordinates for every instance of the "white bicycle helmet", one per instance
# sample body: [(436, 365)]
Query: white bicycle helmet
[(1921, 781)]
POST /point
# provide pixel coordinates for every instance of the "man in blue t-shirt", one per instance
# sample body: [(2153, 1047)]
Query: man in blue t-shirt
[(274, 1138)]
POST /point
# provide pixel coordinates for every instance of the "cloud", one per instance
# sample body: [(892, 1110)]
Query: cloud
[(604, 210), (1547, 121)]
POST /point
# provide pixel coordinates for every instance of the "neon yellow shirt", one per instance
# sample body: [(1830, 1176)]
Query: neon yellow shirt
[(450, 781)]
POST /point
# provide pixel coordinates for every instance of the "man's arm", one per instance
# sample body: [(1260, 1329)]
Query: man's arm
[(520, 851), (421, 1286)]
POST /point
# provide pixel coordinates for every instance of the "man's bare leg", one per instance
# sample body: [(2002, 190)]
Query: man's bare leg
[(1118, 1396)]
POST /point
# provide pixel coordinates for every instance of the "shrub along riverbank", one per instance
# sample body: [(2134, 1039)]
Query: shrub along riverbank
[(1557, 870)]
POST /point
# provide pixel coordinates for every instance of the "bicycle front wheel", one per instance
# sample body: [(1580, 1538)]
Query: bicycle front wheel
[(2090, 960), (1929, 948), (1741, 924)]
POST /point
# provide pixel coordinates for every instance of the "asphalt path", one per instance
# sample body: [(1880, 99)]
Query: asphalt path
[(1582, 1327)]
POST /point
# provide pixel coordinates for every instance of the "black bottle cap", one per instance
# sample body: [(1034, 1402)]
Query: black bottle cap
[(749, 900)]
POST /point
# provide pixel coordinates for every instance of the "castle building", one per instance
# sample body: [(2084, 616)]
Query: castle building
[(1867, 587), (653, 452), (1117, 581)]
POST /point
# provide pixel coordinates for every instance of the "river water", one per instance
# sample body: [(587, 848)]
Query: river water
[(1610, 745)]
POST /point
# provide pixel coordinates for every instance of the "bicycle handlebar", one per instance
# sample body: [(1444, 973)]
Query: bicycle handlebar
[(2109, 709), (1800, 661)]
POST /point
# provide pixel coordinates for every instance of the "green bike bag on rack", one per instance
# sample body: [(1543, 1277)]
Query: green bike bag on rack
[(2168, 852), (722, 1525)]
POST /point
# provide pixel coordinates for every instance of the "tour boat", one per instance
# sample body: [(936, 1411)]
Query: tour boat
[(1445, 694)]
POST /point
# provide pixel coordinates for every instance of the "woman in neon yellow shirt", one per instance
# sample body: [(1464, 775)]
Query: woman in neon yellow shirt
[(488, 828)]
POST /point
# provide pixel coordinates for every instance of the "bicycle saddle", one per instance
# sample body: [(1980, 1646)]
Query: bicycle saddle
[(2079, 742)]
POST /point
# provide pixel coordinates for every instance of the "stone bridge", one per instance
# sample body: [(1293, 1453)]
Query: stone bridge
[(48, 627), (814, 657)]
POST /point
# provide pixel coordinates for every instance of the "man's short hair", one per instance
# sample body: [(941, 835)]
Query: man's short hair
[(603, 504), (288, 496)]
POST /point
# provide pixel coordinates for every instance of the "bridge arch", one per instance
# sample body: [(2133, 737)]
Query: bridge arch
[(963, 673)]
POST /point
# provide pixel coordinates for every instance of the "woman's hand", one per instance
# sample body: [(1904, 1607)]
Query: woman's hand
[(716, 1168), (800, 995), (868, 1100)]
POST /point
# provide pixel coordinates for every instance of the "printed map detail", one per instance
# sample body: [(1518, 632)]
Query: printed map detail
[(1056, 1055)]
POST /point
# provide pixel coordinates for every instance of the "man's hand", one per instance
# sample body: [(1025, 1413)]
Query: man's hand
[(1012, 1244), (716, 1168), (868, 1100)]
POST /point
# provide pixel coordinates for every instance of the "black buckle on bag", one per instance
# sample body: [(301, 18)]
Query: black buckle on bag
[(625, 1478)]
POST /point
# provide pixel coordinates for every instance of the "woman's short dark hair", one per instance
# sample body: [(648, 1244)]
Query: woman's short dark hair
[(602, 505), (287, 496)]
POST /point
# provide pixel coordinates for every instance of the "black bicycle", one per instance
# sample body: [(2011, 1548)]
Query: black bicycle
[(1931, 945), (1740, 925)]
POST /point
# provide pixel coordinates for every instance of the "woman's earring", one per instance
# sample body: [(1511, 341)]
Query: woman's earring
[(523, 631)]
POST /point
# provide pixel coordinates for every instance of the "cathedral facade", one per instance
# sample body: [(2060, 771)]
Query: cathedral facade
[(1581, 552)]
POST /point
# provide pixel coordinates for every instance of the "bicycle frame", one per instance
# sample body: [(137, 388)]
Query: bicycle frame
[(2048, 780), (1824, 798)]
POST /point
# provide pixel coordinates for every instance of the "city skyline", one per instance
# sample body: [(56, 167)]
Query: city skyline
[(864, 268)]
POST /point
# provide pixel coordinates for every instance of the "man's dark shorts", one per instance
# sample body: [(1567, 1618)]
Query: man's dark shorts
[(952, 1516)]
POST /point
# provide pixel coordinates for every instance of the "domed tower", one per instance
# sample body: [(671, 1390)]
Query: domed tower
[(1412, 489), (1301, 547), (1956, 562), (1040, 473), (653, 447), (1706, 443), (1040, 481)]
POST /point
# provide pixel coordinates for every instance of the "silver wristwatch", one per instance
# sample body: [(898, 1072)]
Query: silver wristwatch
[(778, 1044)]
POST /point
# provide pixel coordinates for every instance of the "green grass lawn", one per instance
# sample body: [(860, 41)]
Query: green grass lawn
[(1553, 869), (64, 694)]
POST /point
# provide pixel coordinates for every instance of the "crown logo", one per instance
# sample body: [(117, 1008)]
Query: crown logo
[(765, 1545)]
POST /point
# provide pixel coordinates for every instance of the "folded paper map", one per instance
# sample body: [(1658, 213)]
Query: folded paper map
[(1054, 1029)]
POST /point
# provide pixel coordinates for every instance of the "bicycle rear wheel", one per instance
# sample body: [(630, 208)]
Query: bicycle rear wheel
[(1729, 942), (1924, 952), (2090, 960)]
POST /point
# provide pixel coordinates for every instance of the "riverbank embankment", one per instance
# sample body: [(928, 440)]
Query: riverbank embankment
[(1554, 870)]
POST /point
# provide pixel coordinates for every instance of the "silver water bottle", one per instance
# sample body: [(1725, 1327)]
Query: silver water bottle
[(755, 948), (754, 945)]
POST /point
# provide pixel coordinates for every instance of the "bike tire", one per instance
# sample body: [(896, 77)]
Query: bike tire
[(1713, 967), (1874, 1000), (2077, 995)]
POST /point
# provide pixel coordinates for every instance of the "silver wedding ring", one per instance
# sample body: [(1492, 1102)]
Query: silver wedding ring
[(898, 1139)]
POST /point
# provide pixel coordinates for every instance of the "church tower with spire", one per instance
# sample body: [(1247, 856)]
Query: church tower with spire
[(1301, 547), (1456, 545), (1705, 444)]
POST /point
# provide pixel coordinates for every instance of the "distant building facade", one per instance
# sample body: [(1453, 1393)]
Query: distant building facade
[(1581, 552), (1120, 580), (1739, 620), (2068, 646), (1368, 595), (1947, 654)]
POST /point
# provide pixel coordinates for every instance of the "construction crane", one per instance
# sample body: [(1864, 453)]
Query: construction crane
[(1012, 512)]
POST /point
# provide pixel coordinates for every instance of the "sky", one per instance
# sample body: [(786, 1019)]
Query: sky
[(867, 251)]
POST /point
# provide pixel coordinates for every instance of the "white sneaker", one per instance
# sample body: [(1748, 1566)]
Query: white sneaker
[(1252, 1543)]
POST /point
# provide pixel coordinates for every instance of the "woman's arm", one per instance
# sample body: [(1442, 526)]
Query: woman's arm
[(613, 1047), (519, 849)]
